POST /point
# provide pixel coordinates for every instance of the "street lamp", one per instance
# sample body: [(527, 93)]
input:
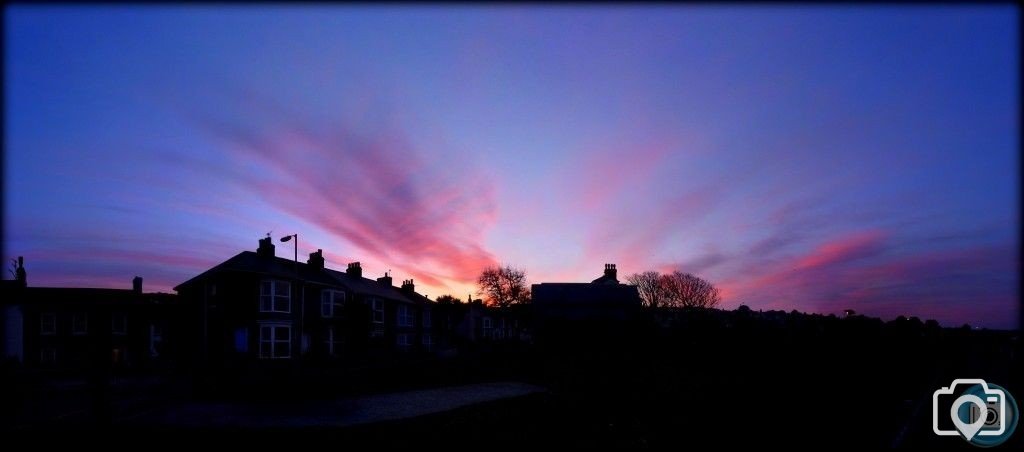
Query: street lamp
[(302, 293), (296, 237)]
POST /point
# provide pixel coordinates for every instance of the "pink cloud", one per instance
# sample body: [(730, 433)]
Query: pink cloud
[(631, 241), (854, 272), (375, 191), (844, 249)]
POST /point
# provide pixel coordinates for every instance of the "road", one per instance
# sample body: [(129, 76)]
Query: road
[(330, 413)]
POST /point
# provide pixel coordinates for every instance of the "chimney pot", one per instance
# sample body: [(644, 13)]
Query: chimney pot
[(316, 260), (610, 272), (266, 248), (19, 273), (354, 269)]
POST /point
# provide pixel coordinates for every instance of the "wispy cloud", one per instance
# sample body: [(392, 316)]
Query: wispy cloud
[(377, 191), (859, 271)]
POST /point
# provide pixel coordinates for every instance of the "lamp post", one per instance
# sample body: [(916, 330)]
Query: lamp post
[(302, 296), (296, 237)]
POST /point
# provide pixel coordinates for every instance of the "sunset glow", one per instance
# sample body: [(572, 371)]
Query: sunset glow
[(816, 159)]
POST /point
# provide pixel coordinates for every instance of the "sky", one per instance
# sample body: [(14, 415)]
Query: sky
[(808, 158)]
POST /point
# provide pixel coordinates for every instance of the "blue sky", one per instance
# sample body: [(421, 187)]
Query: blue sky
[(816, 158)]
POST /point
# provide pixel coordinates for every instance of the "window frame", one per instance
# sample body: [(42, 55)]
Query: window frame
[(52, 324), (329, 302), (377, 330), (48, 360), (377, 307), (156, 339), (270, 298), (268, 346), (80, 319), (332, 340), (405, 315), (403, 340)]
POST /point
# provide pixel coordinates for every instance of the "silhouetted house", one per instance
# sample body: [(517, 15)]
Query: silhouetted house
[(603, 298), (75, 328), (448, 318), (491, 323), (259, 307)]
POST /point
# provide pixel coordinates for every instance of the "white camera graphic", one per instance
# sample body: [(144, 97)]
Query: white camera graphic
[(986, 417)]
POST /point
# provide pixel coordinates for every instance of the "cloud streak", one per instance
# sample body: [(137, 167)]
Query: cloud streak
[(374, 190), (858, 271)]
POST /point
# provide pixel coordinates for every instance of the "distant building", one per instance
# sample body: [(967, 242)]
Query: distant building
[(483, 323), (259, 307), (602, 299), (77, 327)]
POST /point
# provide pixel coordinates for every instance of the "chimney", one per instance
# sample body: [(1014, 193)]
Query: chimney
[(354, 270), (266, 248), (19, 273), (386, 279), (137, 284), (610, 272), (408, 286), (316, 260)]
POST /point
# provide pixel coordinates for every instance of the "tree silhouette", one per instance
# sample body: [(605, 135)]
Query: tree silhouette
[(686, 290), (504, 286), (675, 289), (649, 285), (447, 299)]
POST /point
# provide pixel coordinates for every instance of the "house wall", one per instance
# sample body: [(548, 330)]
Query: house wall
[(99, 344), (14, 346), (230, 330)]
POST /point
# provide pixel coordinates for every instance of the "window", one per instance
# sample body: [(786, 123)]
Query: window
[(48, 323), (331, 300), (377, 307), (427, 322), (47, 355), (79, 324), (332, 341), (119, 323), (156, 338), (377, 331), (487, 322), (275, 341), (427, 341), (405, 317), (242, 340), (403, 341), (275, 296)]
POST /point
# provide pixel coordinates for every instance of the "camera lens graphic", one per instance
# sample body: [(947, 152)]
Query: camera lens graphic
[(992, 416)]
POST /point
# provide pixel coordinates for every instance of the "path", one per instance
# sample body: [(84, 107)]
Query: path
[(333, 413)]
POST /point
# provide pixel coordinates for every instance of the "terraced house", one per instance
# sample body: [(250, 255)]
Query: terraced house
[(257, 307), (78, 328)]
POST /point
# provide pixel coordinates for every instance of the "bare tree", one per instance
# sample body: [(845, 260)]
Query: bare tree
[(649, 285), (686, 290), (504, 286)]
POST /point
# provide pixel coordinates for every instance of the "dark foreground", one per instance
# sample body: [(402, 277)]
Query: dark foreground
[(739, 382)]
